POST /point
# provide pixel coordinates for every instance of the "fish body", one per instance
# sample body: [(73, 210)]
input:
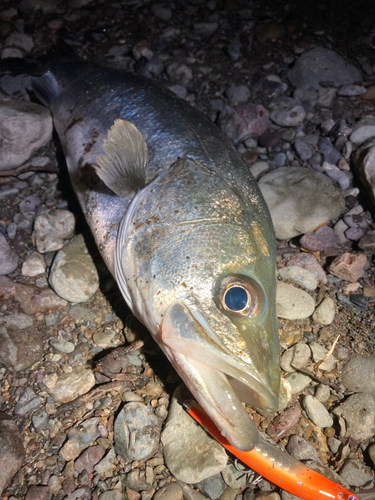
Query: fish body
[(181, 224)]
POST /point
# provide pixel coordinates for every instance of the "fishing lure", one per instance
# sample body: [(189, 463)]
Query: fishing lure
[(276, 466)]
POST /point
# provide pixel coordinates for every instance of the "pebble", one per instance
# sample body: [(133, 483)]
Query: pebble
[(293, 303), (325, 97), (40, 420), (237, 93), (316, 412), (298, 382), (171, 491), (363, 131), (233, 477), (295, 357), (330, 153), (325, 312), (358, 374), (322, 65), (80, 437), (140, 479), (27, 126), (258, 169), (83, 493), (212, 487), (358, 410), (106, 463), (73, 384), (343, 179), (299, 276), (365, 164), (286, 421), (319, 352), (322, 393), (51, 228), (37, 493), (104, 339), (287, 113), (34, 265), (348, 266), (321, 239), (351, 90), (179, 73), (27, 403), (249, 120), (88, 459), (12, 453), (73, 274), (29, 204), (61, 345), (136, 432), (308, 261), (300, 449), (112, 495), (8, 259), (17, 45), (303, 150), (299, 200), (189, 452), (356, 474)]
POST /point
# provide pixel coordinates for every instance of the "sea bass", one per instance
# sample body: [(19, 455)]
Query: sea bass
[(183, 227)]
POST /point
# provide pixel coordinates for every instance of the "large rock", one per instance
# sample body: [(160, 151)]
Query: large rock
[(299, 200), (24, 128), (358, 374), (319, 65), (12, 453)]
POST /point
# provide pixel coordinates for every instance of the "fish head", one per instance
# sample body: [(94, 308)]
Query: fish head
[(195, 261)]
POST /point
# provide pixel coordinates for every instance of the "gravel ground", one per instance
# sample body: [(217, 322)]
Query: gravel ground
[(91, 414)]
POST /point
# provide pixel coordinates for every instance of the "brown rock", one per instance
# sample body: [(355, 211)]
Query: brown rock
[(12, 453), (284, 422), (321, 239), (30, 298), (132, 495), (309, 262), (36, 493), (368, 241), (249, 120), (348, 266), (90, 457)]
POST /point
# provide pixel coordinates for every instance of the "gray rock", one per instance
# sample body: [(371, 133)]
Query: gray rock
[(363, 131), (80, 437), (334, 444), (299, 200), (321, 64), (161, 12), (300, 449), (365, 165), (303, 150), (330, 153), (258, 168), (325, 312), (61, 345), (295, 357), (12, 453), (190, 493), (139, 480), (34, 265), (190, 453), (20, 346), (288, 114), (237, 93), (106, 463), (351, 90), (25, 127), (71, 385), (136, 432), (358, 411), (299, 276), (179, 73), (40, 420), (279, 159), (308, 261), (171, 491), (358, 374), (342, 178), (326, 97), (317, 412), (357, 474), (29, 204), (36, 493), (81, 314), (52, 228), (17, 45), (322, 393), (212, 487), (83, 493), (293, 303), (8, 259), (298, 382), (88, 459), (73, 275), (319, 352), (27, 403)]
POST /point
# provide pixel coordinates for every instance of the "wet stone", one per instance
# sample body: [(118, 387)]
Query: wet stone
[(358, 410), (12, 452), (27, 403), (317, 412), (137, 432)]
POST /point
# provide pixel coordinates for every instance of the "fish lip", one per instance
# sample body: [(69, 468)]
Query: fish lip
[(208, 374)]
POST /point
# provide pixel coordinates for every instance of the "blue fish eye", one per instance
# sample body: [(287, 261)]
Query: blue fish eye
[(236, 298)]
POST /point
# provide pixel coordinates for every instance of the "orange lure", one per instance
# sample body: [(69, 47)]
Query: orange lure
[(277, 466)]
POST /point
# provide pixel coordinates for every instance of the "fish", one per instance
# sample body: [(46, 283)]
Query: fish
[(182, 226)]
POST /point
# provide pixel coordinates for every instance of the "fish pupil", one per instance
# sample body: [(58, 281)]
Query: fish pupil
[(236, 298)]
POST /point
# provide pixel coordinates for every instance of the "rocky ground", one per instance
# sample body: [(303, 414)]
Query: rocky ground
[(89, 406)]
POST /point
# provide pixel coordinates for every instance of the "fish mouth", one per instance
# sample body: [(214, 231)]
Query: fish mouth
[(216, 377)]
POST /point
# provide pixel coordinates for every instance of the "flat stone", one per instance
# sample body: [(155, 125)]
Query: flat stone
[(40, 420), (348, 266), (319, 352), (299, 276), (34, 265), (321, 239), (298, 382), (286, 421), (73, 275), (358, 374), (80, 437), (27, 403), (299, 200), (20, 346), (356, 473), (288, 115), (89, 458), (293, 303), (24, 127), (171, 491), (325, 312), (300, 449), (358, 411), (12, 453), (52, 228), (308, 261), (316, 412), (73, 384), (320, 64), (295, 357), (189, 452), (249, 120), (212, 487), (136, 432)]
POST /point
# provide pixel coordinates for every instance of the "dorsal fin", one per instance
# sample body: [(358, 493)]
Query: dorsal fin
[(123, 166)]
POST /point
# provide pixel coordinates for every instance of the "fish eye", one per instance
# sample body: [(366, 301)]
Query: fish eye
[(241, 296), (236, 298)]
